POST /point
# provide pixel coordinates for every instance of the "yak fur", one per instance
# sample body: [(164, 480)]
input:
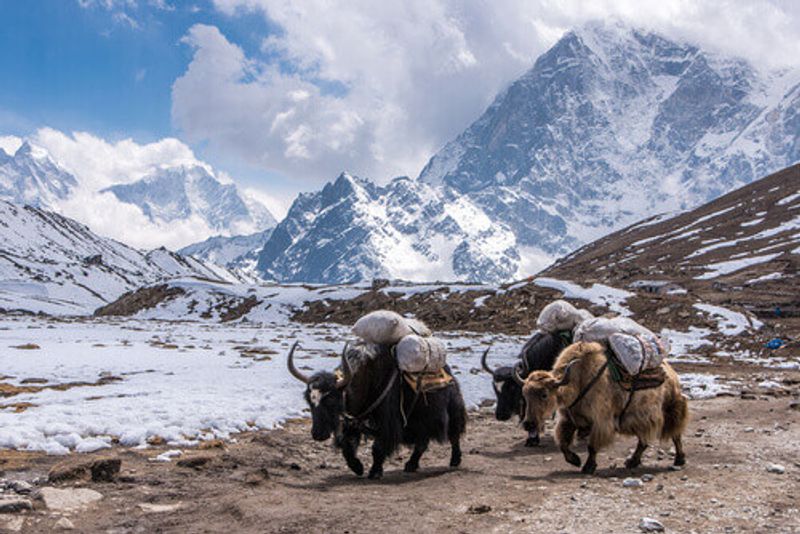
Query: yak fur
[(659, 413)]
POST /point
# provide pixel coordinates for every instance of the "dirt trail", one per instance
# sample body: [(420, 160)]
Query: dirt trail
[(281, 481)]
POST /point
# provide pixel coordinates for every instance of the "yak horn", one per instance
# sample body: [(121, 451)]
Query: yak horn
[(484, 364), (516, 376), (346, 370), (292, 369), (564, 381)]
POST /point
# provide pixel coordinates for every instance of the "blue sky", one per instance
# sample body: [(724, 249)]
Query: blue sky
[(100, 70)]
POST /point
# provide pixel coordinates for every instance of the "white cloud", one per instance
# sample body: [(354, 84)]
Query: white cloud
[(98, 164), (376, 87)]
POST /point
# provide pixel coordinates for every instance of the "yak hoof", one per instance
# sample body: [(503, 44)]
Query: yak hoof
[(455, 461), (410, 467), (572, 458), (356, 467), (532, 442), (375, 474), (680, 460), (632, 463), (589, 468)]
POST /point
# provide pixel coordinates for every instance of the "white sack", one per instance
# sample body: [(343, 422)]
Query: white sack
[(561, 315), (599, 329), (418, 327), (636, 347), (636, 353), (416, 354), (384, 327)]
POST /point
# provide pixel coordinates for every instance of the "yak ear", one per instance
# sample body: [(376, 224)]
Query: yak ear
[(567, 372)]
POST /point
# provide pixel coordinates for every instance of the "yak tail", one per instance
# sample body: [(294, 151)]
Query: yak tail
[(676, 416), (457, 413)]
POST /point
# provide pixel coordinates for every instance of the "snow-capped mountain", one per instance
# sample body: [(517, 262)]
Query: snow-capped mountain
[(53, 264), (355, 230), (610, 126), (178, 193), (30, 176), (613, 124), (238, 253)]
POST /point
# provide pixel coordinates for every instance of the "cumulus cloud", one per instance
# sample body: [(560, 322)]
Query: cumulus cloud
[(98, 164), (376, 87)]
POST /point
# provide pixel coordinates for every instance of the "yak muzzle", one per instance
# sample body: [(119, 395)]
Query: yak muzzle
[(320, 435)]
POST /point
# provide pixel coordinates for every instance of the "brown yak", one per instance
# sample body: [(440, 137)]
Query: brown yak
[(591, 403)]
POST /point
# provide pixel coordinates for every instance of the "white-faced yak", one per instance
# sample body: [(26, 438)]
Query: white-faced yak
[(594, 399), (372, 397), (538, 354)]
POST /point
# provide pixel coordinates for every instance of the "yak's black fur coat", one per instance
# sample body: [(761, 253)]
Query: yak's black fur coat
[(438, 415)]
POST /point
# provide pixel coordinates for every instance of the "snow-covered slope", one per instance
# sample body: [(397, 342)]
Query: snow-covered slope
[(610, 126), (190, 195), (179, 193), (355, 230), (52, 264), (744, 247), (31, 176), (238, 253)]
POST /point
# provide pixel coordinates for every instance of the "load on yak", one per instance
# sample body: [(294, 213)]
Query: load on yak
[(555, 330), (598, 399), (394, 386)]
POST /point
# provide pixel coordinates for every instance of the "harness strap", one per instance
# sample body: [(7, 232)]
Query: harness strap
[(589, 386), (377, 401), (417, 392), (625, 408)]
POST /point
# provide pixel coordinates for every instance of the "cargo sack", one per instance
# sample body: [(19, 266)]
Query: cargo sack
[(384, 327), (418, 327), (417, 354), (636, 353), (560, 315), (636, 347)]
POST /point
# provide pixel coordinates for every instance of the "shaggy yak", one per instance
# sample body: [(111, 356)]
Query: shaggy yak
[(538, 354), (591, 403), (373, 399)]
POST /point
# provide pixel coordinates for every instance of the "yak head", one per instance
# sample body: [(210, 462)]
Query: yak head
[(324, 395), (507, 386), (539, 392)]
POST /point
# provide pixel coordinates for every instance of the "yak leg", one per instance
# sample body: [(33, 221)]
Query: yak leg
[(635, 460), (533, 438), (455, 450), (565, 432), (349, 444), (378, 457), (419, 449), (591, 462), (680, 457)]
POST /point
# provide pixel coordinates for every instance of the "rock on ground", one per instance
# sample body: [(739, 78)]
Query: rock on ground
[(10, 504), (61, 500), (648, 524)]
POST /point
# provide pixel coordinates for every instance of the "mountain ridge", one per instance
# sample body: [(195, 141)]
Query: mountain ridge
[(53, 264), (609, 125)]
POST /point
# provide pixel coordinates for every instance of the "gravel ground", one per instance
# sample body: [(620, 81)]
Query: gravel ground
[(281, 481)]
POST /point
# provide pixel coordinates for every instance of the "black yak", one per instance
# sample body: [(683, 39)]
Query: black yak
[(372, 398), (538, 353)]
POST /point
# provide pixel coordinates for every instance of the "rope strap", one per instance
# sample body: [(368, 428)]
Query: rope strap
[(377, 401), (589, 386)]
